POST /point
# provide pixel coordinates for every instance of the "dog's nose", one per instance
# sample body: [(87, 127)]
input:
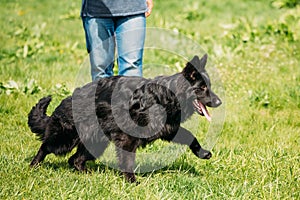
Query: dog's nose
[(216, 102)]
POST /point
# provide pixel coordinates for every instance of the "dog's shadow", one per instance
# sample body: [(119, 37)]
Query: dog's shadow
[(99, 167), (62, 164), (176, 167)]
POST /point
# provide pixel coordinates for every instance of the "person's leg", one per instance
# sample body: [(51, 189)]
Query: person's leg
[(130, 37), (100, 42)]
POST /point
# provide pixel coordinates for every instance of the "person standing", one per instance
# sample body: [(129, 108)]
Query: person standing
[(115, 26)]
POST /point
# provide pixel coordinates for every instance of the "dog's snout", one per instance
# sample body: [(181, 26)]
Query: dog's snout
[(216, 102)]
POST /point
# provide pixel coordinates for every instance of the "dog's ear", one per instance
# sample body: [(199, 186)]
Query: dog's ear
[(198, 63), (203, 61), (195, 62), (194, 66)]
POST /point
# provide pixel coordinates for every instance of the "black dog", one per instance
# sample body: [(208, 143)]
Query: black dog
[(129, 111)]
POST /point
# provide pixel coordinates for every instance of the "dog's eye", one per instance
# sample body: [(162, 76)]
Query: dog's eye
[(203, 87)]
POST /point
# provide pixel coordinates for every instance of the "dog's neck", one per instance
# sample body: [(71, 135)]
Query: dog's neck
[(177, 83), (182, 89)]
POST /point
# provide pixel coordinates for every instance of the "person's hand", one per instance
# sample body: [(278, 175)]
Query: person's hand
[(150, 6)]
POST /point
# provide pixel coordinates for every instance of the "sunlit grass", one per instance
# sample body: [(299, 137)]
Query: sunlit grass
[(253, 44)]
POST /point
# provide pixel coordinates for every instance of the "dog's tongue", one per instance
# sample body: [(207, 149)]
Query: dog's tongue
[(205, 111)]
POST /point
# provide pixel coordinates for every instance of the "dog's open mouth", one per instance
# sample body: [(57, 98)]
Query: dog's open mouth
[(201, 109)]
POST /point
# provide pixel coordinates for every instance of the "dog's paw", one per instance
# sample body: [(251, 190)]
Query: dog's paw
[(34, 163), (79, 167), (204, 154), (130, 177)]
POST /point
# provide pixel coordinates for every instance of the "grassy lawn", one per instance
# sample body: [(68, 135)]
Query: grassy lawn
[(254, 45)]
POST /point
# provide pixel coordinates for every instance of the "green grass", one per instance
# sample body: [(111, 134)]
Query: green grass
[(253, 44)]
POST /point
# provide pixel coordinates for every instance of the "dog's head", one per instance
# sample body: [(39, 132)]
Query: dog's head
[(203, 96)]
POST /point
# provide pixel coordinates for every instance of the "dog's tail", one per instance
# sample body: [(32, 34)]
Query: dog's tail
[(37, 118)]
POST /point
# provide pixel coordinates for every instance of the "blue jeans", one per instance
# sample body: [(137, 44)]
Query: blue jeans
[(106, 35)]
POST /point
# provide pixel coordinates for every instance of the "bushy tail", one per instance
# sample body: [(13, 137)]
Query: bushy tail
[(37, 118)]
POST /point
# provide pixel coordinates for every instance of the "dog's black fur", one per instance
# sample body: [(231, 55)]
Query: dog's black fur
[(129, 111)]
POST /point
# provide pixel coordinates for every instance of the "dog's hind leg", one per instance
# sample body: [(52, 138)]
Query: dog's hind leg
[(40, 156), (79, 159), (183, 136), (86, 152)]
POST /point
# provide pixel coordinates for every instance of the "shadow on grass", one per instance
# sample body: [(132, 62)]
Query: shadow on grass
[(176, 167), (95, 167), (62, 164)]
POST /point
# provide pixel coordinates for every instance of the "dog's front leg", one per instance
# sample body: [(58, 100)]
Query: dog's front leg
[(126, 164), (183, 136), (126, 158)]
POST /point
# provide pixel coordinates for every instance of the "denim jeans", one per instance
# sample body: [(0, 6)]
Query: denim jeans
[(124, 35)]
